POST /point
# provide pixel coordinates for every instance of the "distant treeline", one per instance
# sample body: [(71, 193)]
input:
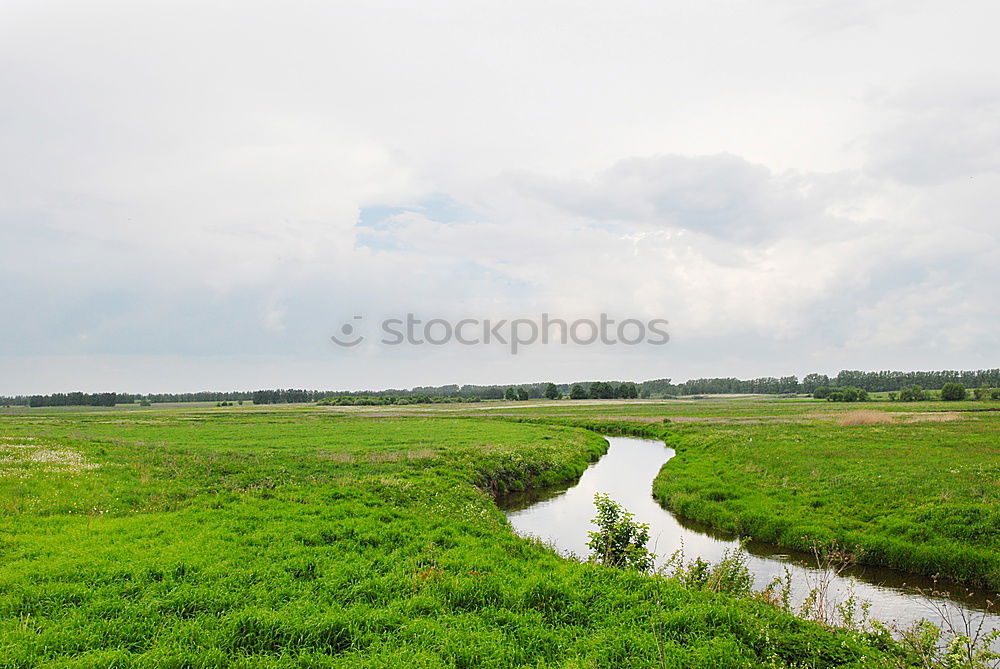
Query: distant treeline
[(289, 396), (875, 382), (872, 382), (385, 400), (111, 399), (69, 399), (767, 385)]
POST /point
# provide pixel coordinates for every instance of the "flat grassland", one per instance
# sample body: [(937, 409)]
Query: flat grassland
[(918, 496), (307, 538)]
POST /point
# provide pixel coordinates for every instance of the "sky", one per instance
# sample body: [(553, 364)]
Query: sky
[(198, 195)]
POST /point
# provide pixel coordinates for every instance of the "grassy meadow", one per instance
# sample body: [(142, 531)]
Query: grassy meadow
[(320, 537), (301, 538), (916, 493)]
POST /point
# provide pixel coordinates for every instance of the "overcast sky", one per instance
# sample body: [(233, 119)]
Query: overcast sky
[(197, 195)]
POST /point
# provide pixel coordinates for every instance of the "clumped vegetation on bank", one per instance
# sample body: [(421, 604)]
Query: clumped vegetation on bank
[(302, 539)]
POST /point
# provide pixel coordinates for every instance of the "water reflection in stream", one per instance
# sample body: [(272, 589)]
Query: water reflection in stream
[(626, 472)]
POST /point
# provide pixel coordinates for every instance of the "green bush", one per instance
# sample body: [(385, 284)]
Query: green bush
[(848, 395), (619, 540), (952, 392)]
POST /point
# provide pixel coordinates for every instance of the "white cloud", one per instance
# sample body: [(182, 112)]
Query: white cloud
[(789, 184), (939, 132)]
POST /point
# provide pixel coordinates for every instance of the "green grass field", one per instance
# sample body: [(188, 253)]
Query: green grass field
[(919, 496), (301, 538)]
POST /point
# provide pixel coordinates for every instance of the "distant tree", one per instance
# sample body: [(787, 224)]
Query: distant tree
[(822, 392), (788, 384), (656, 388), (952, 392), (912, 394), (551, 392), (813, 381), (522, 394), (627, 391), (602, 390), (510, 394), (578, 392)]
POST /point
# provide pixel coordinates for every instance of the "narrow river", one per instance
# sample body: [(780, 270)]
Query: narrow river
[(562, 518)]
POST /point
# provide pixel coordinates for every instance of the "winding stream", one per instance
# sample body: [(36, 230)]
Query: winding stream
[(562, 518)]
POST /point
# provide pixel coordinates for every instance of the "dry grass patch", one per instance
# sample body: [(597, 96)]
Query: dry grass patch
[(933, 417), (335, 456), (393, 456), (864, 417)]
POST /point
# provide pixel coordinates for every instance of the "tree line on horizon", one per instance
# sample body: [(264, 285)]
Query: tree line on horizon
[(880, 381), (68, 399)]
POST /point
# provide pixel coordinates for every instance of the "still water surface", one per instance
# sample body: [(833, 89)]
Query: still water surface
[(562, 518)]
